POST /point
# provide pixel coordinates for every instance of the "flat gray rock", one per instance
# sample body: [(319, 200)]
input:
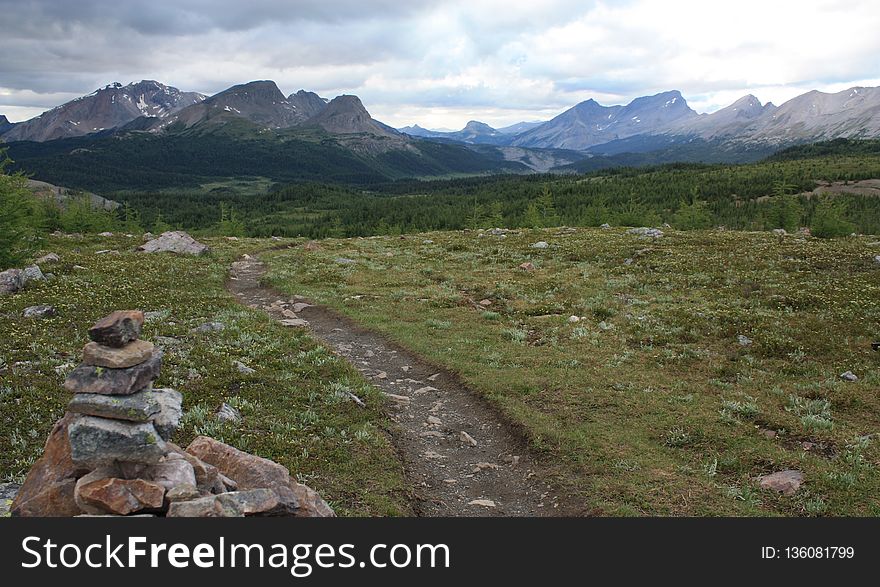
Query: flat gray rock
[(137, 407), (92, 379), (98, 441)]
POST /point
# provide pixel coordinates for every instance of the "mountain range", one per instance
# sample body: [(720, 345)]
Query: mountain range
[(302, 132), (666, 118)]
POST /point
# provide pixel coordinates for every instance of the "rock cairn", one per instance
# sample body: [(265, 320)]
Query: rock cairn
[(112, 454)]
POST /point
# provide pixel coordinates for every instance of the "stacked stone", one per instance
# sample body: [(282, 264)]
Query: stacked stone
[(111, 454), (121, 423)]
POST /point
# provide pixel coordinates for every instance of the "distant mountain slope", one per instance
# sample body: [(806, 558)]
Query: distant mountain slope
[(110, 107), (346, 115), (308, 103), (589, 123), (474, 133), (5, 125), (259, 102)]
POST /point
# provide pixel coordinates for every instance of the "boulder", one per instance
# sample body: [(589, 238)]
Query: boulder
[(205, 507), (233, 504), (33, 273), (48, 490), (92, 379), (101, 493), (171, 473), (11, 281), (39, 311), (785, 482), (207, 476), (174, 242), (98, 441), (134, 353), (227, 413), (182, 493), (171, 409), (253, 472), (137, 407), (118, 329), (208, 327)]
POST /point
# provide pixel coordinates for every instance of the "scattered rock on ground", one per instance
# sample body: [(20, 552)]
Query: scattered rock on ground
[(174, 242), (527, 266), (540, 245), (48, 258), (39, 311), (227, 413), (849, 376), (785, 482), (243, 369), (11, 281), (743, 340), (33, 273), (208, 327), (646, 232)]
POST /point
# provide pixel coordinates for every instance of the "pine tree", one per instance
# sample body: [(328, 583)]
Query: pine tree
[(16, 216)]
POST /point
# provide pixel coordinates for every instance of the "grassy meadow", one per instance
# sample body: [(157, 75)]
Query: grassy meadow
[(295, 407), (699, 361)]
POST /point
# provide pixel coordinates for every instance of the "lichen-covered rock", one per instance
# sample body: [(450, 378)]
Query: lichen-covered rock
[(33, 273), (93, 379), (134, 353), (118, 329), (170, 411), (11, 281), (137, 407), (48, 490), (98, 441), (174, 242), (233, 504), (43, 311)]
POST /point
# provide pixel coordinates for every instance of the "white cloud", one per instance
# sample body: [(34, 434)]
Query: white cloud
[(444, 63)]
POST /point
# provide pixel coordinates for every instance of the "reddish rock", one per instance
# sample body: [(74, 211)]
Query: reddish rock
[(119, 496), (253, 472), (118, 329), (785, 482), (134, 353), (527, 266), (48, 490)]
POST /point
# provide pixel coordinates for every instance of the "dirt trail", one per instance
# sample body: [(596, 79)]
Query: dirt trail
[(460, 459)]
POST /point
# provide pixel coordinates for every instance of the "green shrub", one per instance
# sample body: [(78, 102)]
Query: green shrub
[(829, 220)]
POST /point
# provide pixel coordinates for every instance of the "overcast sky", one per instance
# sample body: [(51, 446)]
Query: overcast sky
[(441, 63)]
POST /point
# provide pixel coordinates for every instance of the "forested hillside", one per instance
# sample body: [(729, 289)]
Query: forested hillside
[(758, 196)]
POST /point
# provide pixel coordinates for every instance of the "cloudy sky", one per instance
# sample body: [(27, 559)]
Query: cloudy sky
[(441, 63)]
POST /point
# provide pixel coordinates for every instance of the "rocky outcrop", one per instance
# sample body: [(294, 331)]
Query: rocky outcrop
[(174, 242), (111, 453)]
